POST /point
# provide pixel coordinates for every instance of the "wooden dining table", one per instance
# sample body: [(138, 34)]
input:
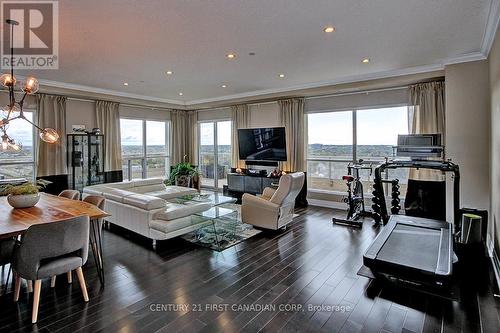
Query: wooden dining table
[(53, 209)]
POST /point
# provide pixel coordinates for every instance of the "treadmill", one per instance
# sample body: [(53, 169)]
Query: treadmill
[(412, 251)]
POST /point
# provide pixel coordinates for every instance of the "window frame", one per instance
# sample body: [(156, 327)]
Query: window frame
[(145, 156), (216, 150), (32, 162), (353, 110)]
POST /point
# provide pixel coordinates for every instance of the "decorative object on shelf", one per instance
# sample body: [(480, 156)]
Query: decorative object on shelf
[(14, 110), (78, 128), (85, 159), (23, 195)]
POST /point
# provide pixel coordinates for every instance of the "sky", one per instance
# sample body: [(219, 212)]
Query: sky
[(223, 133), (131, 132), (21, 131), (374, 127)]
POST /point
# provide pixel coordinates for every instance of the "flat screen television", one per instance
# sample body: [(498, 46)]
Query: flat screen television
[(262, 144)]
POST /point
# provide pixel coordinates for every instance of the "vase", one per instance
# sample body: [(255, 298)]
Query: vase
[(183, 180), (24, 200)]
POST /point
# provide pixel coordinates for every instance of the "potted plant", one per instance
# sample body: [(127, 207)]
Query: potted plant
[(22, 196), (182, 174)]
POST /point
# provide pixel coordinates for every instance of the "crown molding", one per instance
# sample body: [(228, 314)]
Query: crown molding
[(88, 89), (473, 56), (491, 27)]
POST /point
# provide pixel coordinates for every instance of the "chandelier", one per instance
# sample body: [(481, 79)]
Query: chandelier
[(14, 110)]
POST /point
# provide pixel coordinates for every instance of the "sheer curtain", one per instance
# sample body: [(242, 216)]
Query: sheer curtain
[(426, 112), (108, 121), (240, 118), (292, 117), (184, 136), (51, 157)]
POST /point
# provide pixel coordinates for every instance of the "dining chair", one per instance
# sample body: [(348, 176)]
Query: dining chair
[(96, 234), (70, 194), (98, 201), (50, 249)]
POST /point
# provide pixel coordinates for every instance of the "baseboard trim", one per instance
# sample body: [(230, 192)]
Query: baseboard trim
[(495, 262)]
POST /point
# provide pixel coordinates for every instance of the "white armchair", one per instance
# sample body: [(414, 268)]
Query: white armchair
[(274, 209)]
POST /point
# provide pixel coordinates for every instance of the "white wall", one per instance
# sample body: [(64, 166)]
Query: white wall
[(468, 129)]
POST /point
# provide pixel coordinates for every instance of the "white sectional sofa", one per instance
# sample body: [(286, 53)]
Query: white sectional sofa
[(141, 206)]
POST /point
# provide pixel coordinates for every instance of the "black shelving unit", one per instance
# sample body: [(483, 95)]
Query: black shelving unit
[(85, 160)]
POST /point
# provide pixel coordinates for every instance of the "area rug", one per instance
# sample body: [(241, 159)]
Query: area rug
[(223, 233)]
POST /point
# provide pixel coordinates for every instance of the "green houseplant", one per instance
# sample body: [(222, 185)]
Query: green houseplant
[(22, 196), (182, 174)]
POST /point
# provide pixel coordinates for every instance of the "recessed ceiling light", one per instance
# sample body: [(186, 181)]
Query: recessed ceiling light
[(230, 55), (223, 86), (180, 94), (281, 75), (365, 60), (125, 83), (329, 29), (169, 72)]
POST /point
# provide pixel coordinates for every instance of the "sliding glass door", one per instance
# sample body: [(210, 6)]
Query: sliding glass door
[(214, 152)]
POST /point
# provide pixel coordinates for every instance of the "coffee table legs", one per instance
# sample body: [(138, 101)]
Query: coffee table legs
[(96, 244)]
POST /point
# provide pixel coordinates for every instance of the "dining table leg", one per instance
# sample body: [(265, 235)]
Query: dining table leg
[(96, 244)]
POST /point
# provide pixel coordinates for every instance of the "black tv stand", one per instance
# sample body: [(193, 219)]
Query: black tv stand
[(239, 183)]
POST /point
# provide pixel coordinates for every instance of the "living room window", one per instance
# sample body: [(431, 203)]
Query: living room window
[(337, 138), (19, 164), (214, 153), (145, 148)]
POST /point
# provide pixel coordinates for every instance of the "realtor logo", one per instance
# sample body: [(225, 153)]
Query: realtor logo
[(35, 39)]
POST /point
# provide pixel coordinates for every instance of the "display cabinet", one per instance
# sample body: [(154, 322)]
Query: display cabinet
[(85, 160)]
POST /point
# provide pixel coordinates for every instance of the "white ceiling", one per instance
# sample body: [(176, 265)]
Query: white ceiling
[(104, 43)]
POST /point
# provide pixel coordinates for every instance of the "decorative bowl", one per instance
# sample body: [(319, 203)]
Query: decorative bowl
[(24, 200)]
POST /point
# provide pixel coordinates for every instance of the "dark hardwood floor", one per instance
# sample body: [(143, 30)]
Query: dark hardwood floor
[(311, 264)]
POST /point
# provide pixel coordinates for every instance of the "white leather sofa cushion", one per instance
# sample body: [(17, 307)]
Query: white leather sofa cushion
[(170, 226), (147, 181), (145, 202), (122, 185), (96, 189), (149, 188), (171, 192), (117, 194), (175, 211)]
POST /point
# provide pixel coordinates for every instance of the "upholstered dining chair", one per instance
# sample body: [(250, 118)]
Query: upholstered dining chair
[(98, 201), (70, 194), (50, 249), (274, 209)]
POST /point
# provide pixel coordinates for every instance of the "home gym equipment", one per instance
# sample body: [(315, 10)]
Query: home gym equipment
[(355, 196), (414, 251), (445, 166)]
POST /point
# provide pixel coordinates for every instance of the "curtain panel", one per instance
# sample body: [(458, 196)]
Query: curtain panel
[(108, 121), (51, 158), (426, 115), (292, 117), (240, 118), (184, 136)]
